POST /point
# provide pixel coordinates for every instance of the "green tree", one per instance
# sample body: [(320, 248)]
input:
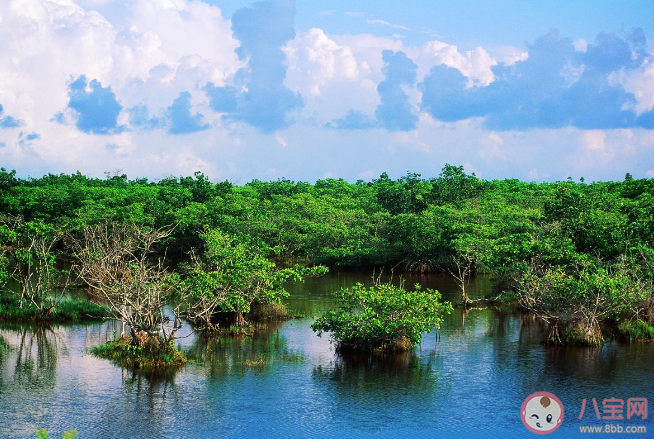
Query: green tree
[(382, 317), (453, 185), (575, 298), (231, 274), (29, 249)]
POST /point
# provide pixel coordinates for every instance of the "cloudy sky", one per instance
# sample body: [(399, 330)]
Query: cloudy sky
[(311, 89)]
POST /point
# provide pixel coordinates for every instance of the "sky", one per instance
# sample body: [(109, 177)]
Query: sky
[(314, 89)]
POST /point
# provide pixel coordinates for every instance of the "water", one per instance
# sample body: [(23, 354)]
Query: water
[(469, 380)]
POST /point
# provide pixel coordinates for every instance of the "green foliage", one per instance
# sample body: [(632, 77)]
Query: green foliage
[(64, 311), (581, 294), (453, 185), (42, 433), (523, 234), (151, 355), (382, 317), (30, 248), (636, 330), (233, 273)]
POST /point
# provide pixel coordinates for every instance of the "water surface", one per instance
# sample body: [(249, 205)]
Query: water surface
[(468, 379)]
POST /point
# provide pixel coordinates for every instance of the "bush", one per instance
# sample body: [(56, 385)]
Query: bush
[(153, 355), (636, 330), (382, 317)]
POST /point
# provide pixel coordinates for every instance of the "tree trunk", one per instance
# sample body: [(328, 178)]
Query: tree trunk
[(465, 301), (140, 338), (239, 320), (554, 333)]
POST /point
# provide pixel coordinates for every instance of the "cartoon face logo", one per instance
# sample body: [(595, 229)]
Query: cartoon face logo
[(542, 413)]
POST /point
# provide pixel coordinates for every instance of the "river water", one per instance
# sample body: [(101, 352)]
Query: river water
[(467, 380)]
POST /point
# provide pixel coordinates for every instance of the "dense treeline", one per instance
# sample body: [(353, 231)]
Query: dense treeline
[(576, 254)]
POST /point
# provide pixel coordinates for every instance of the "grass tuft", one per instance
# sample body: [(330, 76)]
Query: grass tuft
[(64, 311), (636, 330)]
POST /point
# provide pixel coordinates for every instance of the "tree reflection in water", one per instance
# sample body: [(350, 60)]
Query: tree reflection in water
[(223, 356), (30, 354)]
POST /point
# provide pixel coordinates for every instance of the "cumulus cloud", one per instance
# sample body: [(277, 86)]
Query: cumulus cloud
[(95, 107), (182, 121), (395, 112), (336, 73), (26, 139), (222, 99), (8, 121), (189, 38), (353, 120), (126, 79), (476, 65), (315, 60), (556, 86), (133, 59), (140, 118), (639, 82), (265, 102)]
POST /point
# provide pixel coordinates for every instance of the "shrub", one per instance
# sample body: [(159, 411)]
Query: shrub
[(382, 317), (155, 354), (636, 330)]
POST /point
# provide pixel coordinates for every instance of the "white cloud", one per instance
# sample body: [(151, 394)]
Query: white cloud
[(618, 150), (335, 74), (580, 45), (386, 23), (161, 49), (491, 146), (154, 49), (89, 4), (314, 60), (511, 55), (184, 28), (367, 50), (44, 45), (640, 82), (474, 64), (571, 73), (281, 141), (411, 140), (594, 140)]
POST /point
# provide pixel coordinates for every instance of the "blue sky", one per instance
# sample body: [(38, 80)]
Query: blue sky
[(469, 23), (312, 89)]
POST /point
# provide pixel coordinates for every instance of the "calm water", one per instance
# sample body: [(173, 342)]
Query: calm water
[(469, 380)]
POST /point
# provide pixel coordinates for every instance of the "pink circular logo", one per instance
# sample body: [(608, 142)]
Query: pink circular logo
[(542, 413)]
